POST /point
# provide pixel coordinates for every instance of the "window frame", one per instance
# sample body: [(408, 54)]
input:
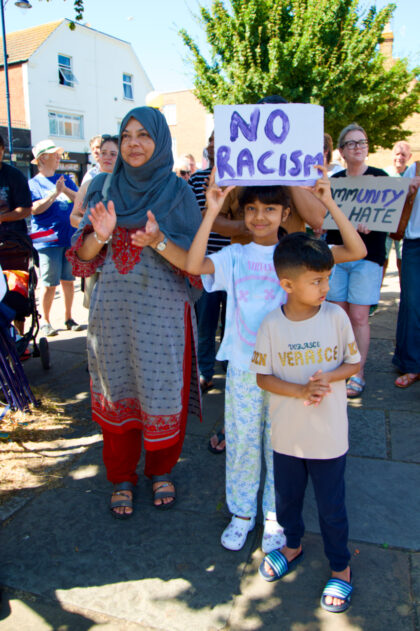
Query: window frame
[(63, 119), (128, 83), (66, 76)]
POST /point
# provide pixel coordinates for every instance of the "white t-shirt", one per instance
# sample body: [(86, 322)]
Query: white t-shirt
[(89, 175), (413, 227), (246, 273), (294, 351)]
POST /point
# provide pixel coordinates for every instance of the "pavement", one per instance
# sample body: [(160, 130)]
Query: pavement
[(67, 565)]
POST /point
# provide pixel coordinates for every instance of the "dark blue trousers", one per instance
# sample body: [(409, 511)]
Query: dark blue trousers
[(407, 349), (208, 310), (290, 480)]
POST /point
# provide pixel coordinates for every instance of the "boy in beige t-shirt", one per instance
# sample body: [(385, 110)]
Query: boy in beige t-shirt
[(305, 351)]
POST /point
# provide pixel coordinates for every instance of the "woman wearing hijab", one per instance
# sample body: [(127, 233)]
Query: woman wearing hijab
[(141, 331)]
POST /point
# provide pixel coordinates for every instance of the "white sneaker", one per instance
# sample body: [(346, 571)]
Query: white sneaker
[(273, 537), (234, 535)]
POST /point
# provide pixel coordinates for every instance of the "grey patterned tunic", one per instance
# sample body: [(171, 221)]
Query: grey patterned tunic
[(141, 349)]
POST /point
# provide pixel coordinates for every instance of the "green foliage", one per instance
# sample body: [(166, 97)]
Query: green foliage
[(309, 51), (79, 8)]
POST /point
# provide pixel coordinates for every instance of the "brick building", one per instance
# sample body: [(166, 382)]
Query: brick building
[(383, 157), (189, 122)]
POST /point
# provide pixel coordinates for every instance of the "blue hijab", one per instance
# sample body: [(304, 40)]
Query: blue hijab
[(152, 186)]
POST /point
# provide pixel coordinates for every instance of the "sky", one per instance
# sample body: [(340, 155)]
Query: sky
[(152, 29)]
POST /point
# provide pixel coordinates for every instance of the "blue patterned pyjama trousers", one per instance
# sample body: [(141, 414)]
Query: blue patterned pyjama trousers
[(248, 439)]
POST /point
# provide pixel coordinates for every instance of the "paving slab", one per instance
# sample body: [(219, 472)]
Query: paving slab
[(405, 436), (382, 499), (367, 432), (293, 602), (381, 392), (381, 352)]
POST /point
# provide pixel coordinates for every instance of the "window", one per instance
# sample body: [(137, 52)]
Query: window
[(65, 125), (128, 86), (169, 112), (65, 73)]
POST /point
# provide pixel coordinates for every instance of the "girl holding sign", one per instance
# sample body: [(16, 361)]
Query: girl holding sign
[(247, 273)]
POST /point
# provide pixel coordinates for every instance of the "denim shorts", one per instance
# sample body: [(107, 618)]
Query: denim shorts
[(53, 266), (358, 283)]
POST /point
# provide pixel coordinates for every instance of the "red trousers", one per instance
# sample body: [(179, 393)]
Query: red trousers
[(121, 452)]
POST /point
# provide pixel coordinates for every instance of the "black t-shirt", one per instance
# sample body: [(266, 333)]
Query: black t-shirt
[(14, 193), (374, 241)]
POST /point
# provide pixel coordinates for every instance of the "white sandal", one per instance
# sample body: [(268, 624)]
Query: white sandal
[(273, 537), (235, 534)]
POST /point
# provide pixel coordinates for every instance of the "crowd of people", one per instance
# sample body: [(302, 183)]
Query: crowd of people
[(167, 254)]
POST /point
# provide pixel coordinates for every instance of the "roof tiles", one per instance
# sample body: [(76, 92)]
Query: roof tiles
[(22, 44)]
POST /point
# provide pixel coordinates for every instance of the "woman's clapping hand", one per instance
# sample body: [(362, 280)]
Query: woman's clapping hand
[(149, 235), (103, 219)]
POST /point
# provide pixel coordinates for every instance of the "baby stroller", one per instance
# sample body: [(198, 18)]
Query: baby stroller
[(16, 393), (18, 259)]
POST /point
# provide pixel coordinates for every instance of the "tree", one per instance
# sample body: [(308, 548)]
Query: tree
[(78, 10), (309, 51)]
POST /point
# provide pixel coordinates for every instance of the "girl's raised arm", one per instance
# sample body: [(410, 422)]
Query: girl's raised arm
[(197, 261), (353, 247)]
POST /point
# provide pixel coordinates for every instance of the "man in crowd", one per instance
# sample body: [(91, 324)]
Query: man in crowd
[(211, 305), (182, 168), (15, 206), (95, 149), (407, 349), (52, 196), (401, 155), (15, 198)]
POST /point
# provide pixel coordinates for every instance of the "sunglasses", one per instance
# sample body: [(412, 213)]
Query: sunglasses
[(184, 172), (109, 137)]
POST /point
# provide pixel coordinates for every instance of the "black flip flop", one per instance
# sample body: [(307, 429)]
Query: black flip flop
[(214, 450)]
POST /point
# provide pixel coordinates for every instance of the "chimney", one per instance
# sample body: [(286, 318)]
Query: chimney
[(386, 46)]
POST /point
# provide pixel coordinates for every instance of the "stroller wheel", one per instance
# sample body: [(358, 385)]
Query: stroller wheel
[(44, 352)]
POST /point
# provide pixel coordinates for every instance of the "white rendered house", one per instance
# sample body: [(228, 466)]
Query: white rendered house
[(70, 85)]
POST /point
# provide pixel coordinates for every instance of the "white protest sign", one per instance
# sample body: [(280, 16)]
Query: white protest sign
[(374, 201), (268, 144)]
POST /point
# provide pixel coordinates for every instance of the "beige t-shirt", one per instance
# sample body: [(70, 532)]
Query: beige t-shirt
[(294, 351)]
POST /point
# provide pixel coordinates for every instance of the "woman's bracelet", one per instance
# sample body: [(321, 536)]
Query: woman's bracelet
[(100, 240)]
